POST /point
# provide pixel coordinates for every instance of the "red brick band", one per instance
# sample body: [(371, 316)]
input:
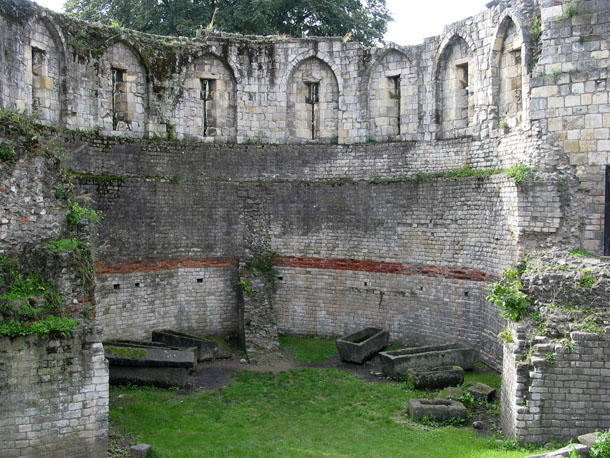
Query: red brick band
[(164, 264), (356, 265)]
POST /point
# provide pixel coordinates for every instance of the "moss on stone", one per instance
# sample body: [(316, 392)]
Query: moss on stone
[(126, 352)]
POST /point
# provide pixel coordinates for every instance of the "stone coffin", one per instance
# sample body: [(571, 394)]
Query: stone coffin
[(362, 345), (158, 376), (145, 364), (436, 409), (396, 363), (435, 378), (207, 348)]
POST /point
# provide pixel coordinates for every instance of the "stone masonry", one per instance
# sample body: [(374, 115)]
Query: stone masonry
[(346, 154)]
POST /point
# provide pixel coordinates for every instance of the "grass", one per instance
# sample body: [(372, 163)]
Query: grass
[(304, 412), (310, 349), (301, 413)]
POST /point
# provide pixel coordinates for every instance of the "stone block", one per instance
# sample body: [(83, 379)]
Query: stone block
[(139, 450), (435, 378), (396, 363), (436, 409), (207, 348), (362, 345), (482, 392)]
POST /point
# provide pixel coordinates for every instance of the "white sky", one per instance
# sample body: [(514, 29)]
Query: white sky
[(413, 19)]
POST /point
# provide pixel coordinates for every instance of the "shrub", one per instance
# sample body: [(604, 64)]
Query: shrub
[(601, 447), (507, 295)]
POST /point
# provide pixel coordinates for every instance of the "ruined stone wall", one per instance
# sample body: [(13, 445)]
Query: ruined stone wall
[(556, 370), (569, 103), (220, 87), (54, 396), (54, 392)]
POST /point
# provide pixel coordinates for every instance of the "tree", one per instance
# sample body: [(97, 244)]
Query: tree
[(366, 19)]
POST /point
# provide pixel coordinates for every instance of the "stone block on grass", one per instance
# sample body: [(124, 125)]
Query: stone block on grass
[(435, 378), (436, 409), (208, 348), (483, 392), (362, 345)]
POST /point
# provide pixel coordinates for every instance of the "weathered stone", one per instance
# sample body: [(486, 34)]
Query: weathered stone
[(139, 450), (581, 450), (436, 409), (149, 356), (482, 392), (435, 378), (207, 348), (148, 375), (396, 363), (362, 345), (588, 439)]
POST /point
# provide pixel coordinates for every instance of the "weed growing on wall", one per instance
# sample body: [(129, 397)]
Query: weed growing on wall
[(79, 213), (29, 304), (507, 295)]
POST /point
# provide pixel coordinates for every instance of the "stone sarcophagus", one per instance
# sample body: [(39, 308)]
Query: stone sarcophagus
[(362, 345)]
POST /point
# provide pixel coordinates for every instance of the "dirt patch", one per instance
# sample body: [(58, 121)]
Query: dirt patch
[(217, 374)]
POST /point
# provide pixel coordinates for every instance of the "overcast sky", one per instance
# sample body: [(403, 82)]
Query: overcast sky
[(413, 19)]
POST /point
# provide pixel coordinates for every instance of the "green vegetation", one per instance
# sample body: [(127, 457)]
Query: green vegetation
[(506, 335), (309, 350), (601, 447), (7, 152), (300, 413), (29, 305), (583, 253), (367, 19), (571, 9), (507, 295), (587, 280), (126, 352), (79, 213), (519, 172)]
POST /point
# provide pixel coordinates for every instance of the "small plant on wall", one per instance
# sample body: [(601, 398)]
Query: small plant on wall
[(507, 295)]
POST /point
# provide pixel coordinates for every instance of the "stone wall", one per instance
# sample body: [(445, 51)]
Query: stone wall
[(54, 396), (556, 369), (272, 89), (54, 391)]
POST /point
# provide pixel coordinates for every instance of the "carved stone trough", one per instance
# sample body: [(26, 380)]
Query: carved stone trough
[(436, 409), (362, 345), (207, 348), (396, 363), (149, 363), (435, 378)]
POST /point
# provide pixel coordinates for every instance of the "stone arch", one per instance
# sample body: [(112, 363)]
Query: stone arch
[(392, 96), (454, 77), (209, 104), (46, 71), (312, 93), (509, 81), (123, 90)]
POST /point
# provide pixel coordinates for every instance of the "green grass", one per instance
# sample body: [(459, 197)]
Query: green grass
[(309, 349), (300, 413), (482, 374)]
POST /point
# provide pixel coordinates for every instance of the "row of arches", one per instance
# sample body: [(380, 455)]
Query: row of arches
[(117, 94)]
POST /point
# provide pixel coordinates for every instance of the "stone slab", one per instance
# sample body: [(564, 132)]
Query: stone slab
[(435, 378), (483, 392), (164, 377), (149, 356), (436, 409), (208, 349), (396, 363)]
